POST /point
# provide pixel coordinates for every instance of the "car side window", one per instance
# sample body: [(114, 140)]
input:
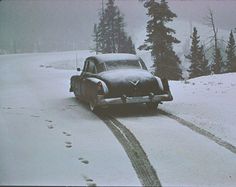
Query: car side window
[(101, 67), (85, 66), (91, 68), (142, 64)]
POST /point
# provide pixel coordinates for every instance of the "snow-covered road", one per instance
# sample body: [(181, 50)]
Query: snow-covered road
[(40, 118), (180, 155), (47, 137)]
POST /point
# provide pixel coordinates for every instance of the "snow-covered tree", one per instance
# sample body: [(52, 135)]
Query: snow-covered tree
[(199, 63), (194, 69), (231, 54), (217, 63), (160, 40), (204, 66), (110, 31)]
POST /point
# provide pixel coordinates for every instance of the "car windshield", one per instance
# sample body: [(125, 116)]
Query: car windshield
[(124, 64)]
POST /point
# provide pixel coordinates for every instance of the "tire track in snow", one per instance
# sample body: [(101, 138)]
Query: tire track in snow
[(140, 162), (199, 130)]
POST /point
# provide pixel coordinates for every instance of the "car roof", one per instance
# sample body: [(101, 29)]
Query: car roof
[(114, 57)]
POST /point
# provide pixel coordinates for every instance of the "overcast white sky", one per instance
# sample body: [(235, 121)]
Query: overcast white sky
[(47, 25)]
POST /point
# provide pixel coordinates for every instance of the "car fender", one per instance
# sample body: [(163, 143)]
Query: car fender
[(159, 81), (96, 80)]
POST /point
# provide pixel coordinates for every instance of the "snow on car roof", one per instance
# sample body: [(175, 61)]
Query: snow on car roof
[(115, 57)]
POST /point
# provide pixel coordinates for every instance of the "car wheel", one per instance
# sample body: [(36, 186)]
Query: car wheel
[(92, 106), (152, 106), (76, 95)]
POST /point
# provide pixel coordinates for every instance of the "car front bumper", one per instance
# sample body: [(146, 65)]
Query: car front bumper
[(101, 101)]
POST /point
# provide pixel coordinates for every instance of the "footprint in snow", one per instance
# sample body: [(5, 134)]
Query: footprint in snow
[(89, 181), (6, 108), (91, 184), (83, 160), (35, 116), (68, 144), (66, 133), (50, 126)]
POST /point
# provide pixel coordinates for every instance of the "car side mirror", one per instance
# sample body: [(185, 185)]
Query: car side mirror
[(78, 69)]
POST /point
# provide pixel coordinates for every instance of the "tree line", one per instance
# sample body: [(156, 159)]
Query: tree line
[(110, 37), (200, 64)]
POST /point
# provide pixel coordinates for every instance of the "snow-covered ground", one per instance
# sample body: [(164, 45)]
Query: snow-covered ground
[(49, 138), (46, 136), (209, 102)]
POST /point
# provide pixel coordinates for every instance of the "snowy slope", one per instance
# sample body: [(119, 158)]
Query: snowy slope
[(207, 101)]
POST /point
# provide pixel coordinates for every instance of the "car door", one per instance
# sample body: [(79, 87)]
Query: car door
[(78, 82), (90, 70)]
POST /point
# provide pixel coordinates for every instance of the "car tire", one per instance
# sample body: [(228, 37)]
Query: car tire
[(152, 106), (92, 106), (76, 95)]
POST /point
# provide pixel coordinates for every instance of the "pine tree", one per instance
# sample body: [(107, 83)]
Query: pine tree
[(100, 34), (230, 52), (159, 40), (110, 16), (199, 63), (203, 62), (95, 38), (194, 56), (130, 46), (110, 31), (217, 64)]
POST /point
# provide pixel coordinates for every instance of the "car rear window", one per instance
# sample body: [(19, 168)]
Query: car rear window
[(124, 64)]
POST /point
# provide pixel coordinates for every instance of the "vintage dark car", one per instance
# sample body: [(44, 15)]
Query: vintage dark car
[(109, 79)]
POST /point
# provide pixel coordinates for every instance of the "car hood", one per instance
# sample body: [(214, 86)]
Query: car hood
[(129, 82)]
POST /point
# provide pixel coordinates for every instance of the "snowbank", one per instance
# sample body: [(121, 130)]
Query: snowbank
[(208, 102)]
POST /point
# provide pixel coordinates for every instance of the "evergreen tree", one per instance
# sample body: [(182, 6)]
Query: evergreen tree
[(100, 34), (110, 16), (203, 62), (159, 40), (130, 46), (231, 56), (217, 64), (110, 31), (194, 56), (199, 63)]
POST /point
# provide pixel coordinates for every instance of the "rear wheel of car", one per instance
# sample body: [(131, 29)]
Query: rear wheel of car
[(76, 95), (152, 106), (92, 106)]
